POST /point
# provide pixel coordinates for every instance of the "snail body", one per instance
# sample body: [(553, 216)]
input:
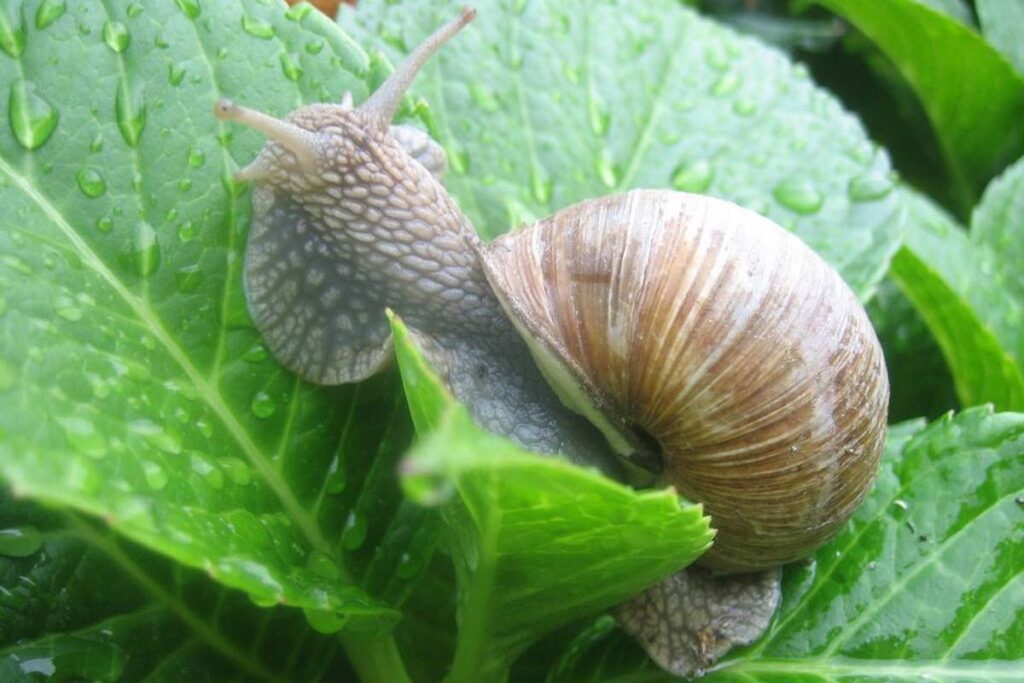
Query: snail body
[(698, 341)]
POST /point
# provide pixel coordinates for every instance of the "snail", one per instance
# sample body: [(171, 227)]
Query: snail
[(649, 332)]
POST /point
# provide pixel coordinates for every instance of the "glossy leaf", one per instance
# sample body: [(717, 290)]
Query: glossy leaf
[(85, 606), (544, 104), (536, 541), (132, 384), (924, 584), (965, 288), (977, 122), (1003, 25)]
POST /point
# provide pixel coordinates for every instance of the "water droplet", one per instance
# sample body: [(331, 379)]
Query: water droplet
[(222, 52), (744, 106), (321, 620), (726, 85), (255, 354), (134, 10), (187, 231), (189, 278), (185, 184), (116, 36), (166, 440), (12, 31), (290, 66), (716, 56), (175, 74), (130, 112), (156, 477), (571, 73), (189, 7), (209, 472), (105, 224), (257, 27), (142, 254), (205, 428), (49, 11), (354, 533), (337, 479), (33, 119), (298, 12), (196, 157), (458, 160), (16, 263), (606, 169), (91, 183), (67, 308), (237, 470), (323, 566), (798, 195), (83, 436), (867, 188), (598, 114), (96, 145), (484, 97), (540, 184), (314, 47), (262, 405), (693, 176), (20, 541)]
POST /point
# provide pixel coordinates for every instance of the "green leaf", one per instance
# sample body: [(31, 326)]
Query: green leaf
[(84, 606), (963, 287), (977, 121), (1003, 25), (925, 583), (132, 383), (544, 104), (536, 541)]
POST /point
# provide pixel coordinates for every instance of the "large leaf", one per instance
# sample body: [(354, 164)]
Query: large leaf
[(132, 384), (77, 604), (536, 541), (973, 96), (547, 103), (924, 584), (966, 287)]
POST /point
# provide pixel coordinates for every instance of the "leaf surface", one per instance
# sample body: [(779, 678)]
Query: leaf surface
[(536, 541), (132, 383), (544, 104), (973, 96), (924, 584)]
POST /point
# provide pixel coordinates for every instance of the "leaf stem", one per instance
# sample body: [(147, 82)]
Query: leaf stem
[(375, 659)]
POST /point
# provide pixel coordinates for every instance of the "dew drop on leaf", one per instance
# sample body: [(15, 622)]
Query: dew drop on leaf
[(483, 97), (33, 119), (257, 27), (693, 176), (262, 405), (175, 74), (116, 36), (354, 534), (134, 10), (255, 354), (605, 168), (83, 436), (91, 183), (237, 471), (314, 47), (410, 565), (324, 621), (130, 113), (16, 263), (298, 12), (67, 308), (20, 541), (187, 231), (799, 196), (337, 479), (188, 278), (142, 255), (868, 188), (196, 157), (290, 67), (48, 12), (155, 475), (744, 106), (322, 565), (726, 85), (185, 184), (105, 224), (12, 30), (167, 440), (541, 184), (207, 471), (599, 116), (189, 7)]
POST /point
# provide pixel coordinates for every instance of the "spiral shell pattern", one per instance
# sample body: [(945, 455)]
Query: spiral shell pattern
[(723, 337)]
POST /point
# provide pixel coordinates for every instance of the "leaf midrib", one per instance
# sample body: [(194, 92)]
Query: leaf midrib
[(209, 393)]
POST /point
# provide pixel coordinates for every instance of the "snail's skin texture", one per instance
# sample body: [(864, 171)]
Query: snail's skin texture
[(350, 219), (726, 339)]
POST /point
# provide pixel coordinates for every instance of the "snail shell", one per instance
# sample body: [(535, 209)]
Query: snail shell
[(711, 330)]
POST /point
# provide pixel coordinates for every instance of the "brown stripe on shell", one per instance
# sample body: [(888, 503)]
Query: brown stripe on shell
[(725, 338)]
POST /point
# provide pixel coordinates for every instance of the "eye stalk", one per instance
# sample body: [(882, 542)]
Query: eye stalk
[(299, 141)]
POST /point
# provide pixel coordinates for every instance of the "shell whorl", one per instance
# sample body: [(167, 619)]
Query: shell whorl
[(723, 337)]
